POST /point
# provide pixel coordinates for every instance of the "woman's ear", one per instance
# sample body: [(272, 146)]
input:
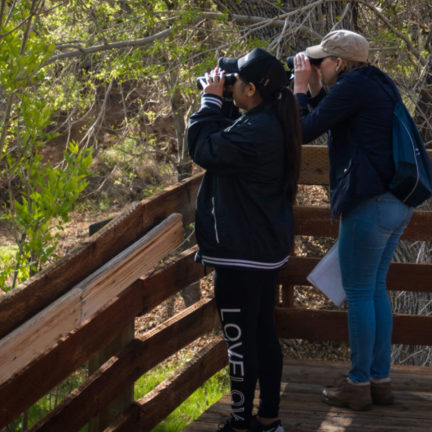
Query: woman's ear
[(339, 64)]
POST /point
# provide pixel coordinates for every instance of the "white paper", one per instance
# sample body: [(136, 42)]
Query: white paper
[(326, 276)]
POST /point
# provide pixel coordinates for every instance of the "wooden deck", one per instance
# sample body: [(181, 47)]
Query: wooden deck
[(302, 410)]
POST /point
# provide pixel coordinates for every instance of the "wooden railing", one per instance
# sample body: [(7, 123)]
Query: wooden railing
[(58, 320)]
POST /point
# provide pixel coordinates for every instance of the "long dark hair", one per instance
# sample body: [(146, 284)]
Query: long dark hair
[(289, 117), (288, 114)]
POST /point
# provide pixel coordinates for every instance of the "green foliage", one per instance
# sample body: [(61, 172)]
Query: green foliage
[(48, 196), (49, 401), (38, 194), (208, 394)]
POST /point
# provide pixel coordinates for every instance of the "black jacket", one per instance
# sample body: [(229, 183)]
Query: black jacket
[(243, 218), (358, 114)]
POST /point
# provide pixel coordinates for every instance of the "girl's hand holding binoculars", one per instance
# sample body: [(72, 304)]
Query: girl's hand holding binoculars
[(214, 82)]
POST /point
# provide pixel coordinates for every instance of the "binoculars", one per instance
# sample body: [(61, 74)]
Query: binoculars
[(230, 79)]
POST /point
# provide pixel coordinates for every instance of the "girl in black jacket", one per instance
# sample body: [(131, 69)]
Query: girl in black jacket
[(244, 221)]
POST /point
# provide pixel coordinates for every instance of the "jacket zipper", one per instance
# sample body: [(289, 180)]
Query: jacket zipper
[(213, 211)]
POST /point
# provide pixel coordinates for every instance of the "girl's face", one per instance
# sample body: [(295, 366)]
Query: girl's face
[(240, 94), (329, 69), (245, 95)]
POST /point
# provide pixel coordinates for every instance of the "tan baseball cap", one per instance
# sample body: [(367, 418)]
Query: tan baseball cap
[(341, 43)]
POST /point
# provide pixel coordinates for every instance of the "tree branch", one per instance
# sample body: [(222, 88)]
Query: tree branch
[(409, 45), (275, 22)]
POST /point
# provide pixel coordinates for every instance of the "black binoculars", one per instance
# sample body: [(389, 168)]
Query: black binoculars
[(230, 79), (290, 61)]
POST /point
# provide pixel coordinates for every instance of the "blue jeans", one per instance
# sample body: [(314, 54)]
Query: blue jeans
[(368, 236)]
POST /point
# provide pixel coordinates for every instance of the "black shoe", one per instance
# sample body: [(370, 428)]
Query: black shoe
[(256, 426)]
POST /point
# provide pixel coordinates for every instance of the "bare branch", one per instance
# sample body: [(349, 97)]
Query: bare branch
[(409, 45), (110, 46), (278, 22)]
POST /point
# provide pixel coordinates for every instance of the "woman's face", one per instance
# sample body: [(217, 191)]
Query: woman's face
[(329, 70)]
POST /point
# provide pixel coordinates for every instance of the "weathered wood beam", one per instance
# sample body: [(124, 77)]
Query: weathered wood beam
[(72, 351), (32, 338), (315, 165), (30, 297), (332, 325), (316, 221), (168, 395), (401, 276), (138, 357)]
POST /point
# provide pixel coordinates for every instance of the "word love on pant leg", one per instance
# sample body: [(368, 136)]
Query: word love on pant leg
[(233, 335)]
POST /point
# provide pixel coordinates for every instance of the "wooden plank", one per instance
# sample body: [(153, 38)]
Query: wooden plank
[(320, 372), (168, 281), (168, 395), (26, 300), (125, 397), (301, 409), (138, 357), (124, 269), (332, 325), (33, 337), (315, 165), (127, 422), (316, 221), (401, 276), (51, 368)]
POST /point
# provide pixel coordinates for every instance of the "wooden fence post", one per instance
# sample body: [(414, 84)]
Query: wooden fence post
[(126, 397), (287, 295)]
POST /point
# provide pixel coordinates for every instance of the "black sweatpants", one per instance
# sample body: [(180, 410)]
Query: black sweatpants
[(246, 300)]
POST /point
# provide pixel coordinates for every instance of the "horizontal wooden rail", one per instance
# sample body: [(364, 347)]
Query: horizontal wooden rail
[(71, 352), (38, 292), (315, 165), (39, 377), (401, 277), (316, 221), (23, 302), (137, 358), (309, 324), (146, 413), (27, 342)]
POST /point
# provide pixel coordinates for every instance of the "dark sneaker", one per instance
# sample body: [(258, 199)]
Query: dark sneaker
[(382, 393), (256, 426), (356, 397)]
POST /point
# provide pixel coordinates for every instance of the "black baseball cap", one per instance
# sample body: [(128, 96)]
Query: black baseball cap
[(260, 67)]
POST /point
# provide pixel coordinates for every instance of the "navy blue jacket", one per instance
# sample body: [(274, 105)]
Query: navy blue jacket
[(243, 218), (357, 113)]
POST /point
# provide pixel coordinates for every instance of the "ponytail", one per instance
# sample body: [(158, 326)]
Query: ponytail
[(288, 113)]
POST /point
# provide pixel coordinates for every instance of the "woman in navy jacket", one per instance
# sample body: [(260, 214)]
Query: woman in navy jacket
[(244, 220), (357, 112)]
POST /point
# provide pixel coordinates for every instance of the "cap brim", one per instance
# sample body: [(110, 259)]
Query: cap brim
[(316, 52), (228, 64)]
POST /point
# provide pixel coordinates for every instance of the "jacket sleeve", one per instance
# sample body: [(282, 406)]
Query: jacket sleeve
[(218, 145), (340, 103)]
